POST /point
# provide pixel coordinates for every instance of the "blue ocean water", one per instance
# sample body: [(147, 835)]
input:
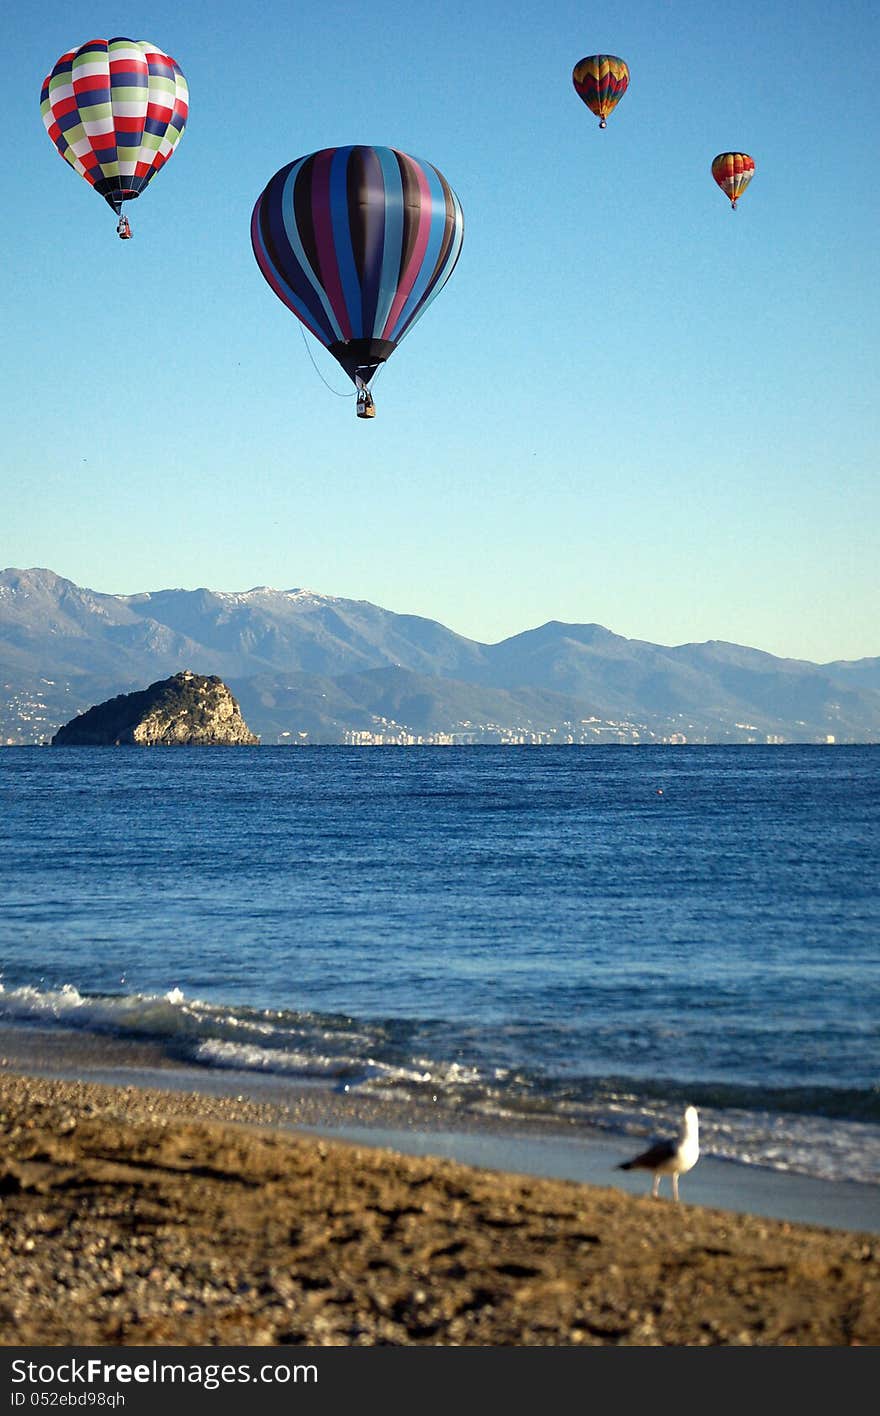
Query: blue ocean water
[(591, 935)]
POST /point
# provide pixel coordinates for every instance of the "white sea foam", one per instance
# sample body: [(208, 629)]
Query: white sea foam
[(28, 1002), (216, 1052), (132, 1013), (450, 1074)]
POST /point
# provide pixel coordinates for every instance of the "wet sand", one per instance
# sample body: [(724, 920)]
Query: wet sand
[(134, 1215)]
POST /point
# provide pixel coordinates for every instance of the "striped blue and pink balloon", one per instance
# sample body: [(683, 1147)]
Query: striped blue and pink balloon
[(357, 241)]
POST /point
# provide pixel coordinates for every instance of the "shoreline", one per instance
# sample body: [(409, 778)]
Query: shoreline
[(130, 1217), (511, 1145)]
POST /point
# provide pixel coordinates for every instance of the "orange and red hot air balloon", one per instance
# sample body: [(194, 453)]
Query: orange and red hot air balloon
[(601, 81), (733, 171)]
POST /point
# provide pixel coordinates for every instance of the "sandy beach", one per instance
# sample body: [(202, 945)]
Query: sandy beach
[(134, 1215)]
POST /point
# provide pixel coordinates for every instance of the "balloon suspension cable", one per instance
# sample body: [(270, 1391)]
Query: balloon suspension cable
[(318, 371)]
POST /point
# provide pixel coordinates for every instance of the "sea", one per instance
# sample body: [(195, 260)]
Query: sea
[(585, 937)]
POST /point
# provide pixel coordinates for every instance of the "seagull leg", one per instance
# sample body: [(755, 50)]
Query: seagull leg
[(655, 1188), (675, 1186)]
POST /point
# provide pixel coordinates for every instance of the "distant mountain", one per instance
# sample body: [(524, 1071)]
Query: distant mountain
[(79, 630), (317, 668), (855, 673)]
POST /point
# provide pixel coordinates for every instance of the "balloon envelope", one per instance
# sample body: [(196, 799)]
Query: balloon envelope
[(357, 241), (601, 80), (733, 171), (115, 110)]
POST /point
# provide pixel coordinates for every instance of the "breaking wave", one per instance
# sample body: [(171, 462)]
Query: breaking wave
[(825, 1132)]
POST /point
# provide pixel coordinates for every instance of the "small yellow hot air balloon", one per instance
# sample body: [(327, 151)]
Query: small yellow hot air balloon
[(601, 81), (733, 171)]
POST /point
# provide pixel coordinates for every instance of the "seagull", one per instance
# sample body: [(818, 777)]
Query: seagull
[(670, 1157)]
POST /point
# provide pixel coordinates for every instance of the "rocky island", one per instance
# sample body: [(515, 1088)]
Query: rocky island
[(187, 710)]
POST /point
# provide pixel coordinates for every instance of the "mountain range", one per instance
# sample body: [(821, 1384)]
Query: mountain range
[(310, 668)]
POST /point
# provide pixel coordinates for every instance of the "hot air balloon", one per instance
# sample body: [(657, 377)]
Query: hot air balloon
[(116, 110), (357, 241), (601, 80), (733, 171)]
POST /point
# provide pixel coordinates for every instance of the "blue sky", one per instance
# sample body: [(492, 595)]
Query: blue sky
[(629, 404)]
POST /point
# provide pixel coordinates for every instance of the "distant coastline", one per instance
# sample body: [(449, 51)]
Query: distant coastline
[(315, 669), (444, 741)]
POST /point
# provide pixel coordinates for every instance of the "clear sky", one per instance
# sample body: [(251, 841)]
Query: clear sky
[(629, 404)]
